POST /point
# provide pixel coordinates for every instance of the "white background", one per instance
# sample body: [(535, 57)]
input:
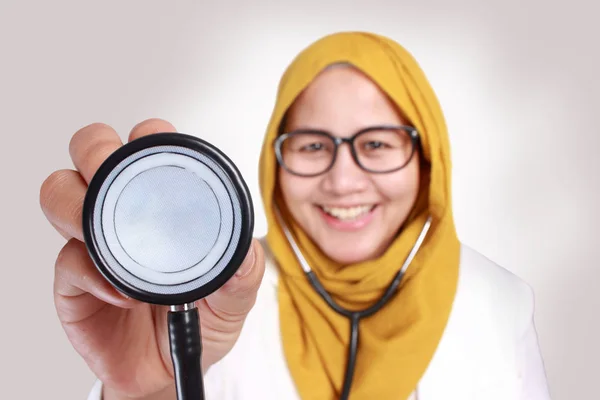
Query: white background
[(518, 82)]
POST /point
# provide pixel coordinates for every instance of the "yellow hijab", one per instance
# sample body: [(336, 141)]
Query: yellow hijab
[(398, 342)]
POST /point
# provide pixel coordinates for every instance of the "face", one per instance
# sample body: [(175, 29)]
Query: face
[(351, 214)]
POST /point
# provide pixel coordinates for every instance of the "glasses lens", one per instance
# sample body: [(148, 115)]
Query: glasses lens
[(384, 150), (307, 153)]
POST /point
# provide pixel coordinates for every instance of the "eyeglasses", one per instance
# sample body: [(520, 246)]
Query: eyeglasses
[(376, 149)]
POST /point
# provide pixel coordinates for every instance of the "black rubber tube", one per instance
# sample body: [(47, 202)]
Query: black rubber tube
[(186, 353), (352, 350), (355, 317)]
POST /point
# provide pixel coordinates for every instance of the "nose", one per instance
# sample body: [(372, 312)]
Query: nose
[(345, 176)]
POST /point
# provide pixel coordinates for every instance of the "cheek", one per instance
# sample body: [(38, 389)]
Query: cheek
[(295, 190), (401, 187)]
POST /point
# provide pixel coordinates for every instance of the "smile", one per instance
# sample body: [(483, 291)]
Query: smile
[(348, 213)]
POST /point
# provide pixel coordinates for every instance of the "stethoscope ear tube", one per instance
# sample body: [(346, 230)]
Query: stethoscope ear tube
[(354, 316), (186, 351)]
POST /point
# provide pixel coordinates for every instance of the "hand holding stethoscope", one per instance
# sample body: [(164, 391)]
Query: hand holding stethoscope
[(124, 341)]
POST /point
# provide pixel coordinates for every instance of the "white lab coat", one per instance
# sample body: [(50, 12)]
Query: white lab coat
[(489, 350)]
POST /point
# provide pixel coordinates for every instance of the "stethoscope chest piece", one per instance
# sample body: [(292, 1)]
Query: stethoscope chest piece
[(168, 219)]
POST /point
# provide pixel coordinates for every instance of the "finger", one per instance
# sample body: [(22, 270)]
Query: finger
[(90, 147), (76, 279), (61, 199), (149, 127), (61, 232), (236, 298)]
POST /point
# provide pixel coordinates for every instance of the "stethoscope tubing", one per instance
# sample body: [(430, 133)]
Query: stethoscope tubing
[(355, 316), (185, 342)]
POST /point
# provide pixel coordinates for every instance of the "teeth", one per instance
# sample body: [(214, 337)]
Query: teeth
[(347, 213)]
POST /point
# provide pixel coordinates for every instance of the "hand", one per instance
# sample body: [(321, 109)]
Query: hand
[(123, 341)]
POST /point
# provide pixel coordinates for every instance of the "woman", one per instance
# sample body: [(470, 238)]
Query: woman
[(351, 209)]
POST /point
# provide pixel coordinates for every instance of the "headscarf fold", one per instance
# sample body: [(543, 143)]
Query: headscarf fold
[(398, 342)]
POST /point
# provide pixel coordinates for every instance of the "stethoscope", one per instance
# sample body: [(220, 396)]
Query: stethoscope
[(167, 220), (354, 316)]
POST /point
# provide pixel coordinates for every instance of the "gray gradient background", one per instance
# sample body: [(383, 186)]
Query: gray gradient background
[(517, 80)]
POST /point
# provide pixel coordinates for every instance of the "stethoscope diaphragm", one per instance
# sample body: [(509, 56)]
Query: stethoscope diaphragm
[(168, 219)]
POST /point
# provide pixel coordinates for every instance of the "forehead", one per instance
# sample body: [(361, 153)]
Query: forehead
[(342, 99)]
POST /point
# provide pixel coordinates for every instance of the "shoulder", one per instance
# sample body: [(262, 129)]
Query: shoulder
[(492, 292), (488, 349), (479, 268)]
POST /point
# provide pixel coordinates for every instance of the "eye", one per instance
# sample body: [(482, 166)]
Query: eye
[(312, 147), (308, 144), (373, 144)]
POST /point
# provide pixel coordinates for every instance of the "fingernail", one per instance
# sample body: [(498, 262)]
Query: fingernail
[(246, 266)]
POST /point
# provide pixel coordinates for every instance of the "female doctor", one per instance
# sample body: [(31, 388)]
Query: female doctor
[(355, 178)]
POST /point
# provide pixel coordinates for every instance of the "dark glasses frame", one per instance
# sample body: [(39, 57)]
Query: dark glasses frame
[(338, 141)]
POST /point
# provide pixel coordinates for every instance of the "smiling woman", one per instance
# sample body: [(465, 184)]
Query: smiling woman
[(367, 292), (354, 167)]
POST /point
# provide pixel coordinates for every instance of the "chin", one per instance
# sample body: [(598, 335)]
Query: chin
[(349, 254)]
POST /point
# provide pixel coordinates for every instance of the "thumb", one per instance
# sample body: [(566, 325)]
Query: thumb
[(236, 298)]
